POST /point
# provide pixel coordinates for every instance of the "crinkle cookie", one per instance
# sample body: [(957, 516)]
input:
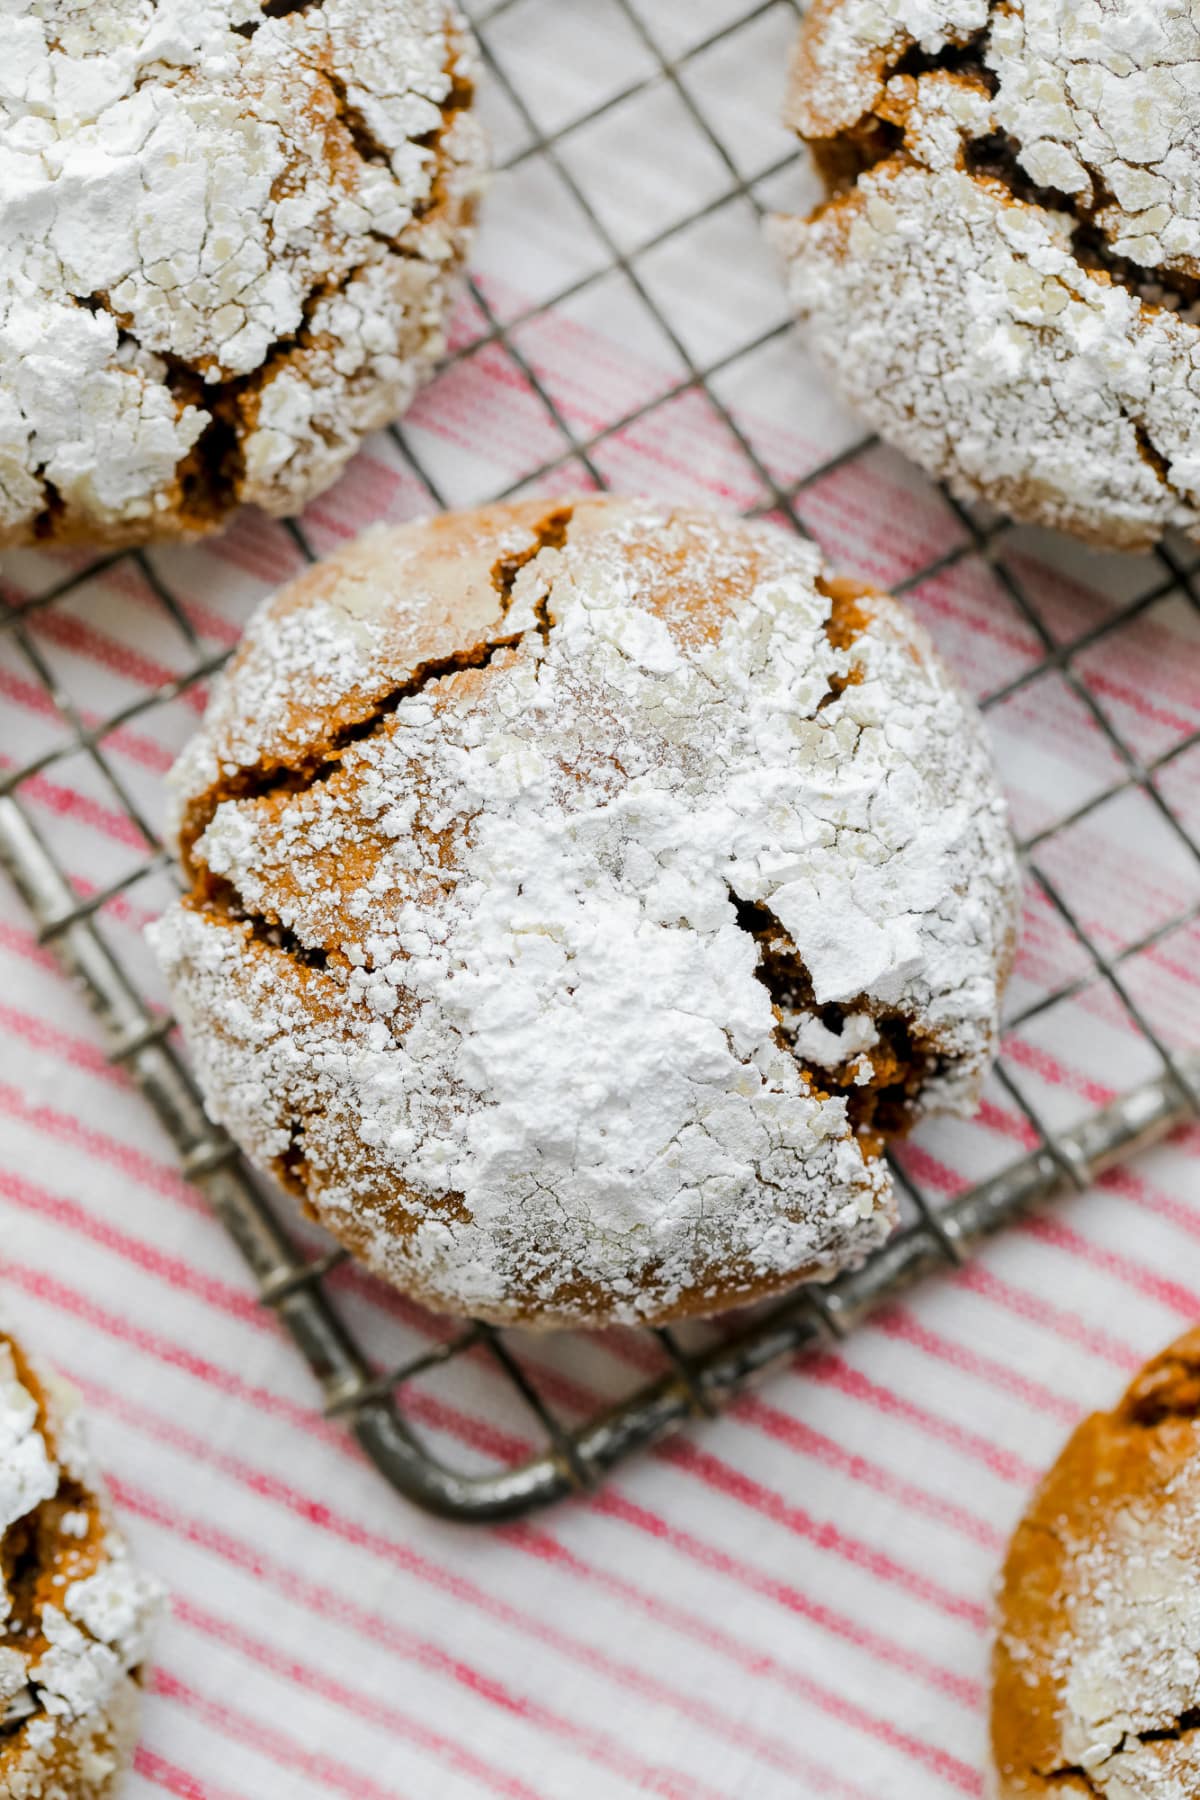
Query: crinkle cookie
[(580, 896), (1096, 1674), (230, 230), (1005, 279), (75, 1614)]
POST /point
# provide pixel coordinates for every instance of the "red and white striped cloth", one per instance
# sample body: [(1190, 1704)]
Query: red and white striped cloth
[(792, 1601)]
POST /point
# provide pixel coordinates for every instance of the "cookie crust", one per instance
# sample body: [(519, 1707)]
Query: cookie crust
[(231, 234), (1096, 1672), (1005, 278), (580, 896)]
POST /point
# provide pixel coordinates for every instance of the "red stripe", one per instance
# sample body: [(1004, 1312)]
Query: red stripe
[(753, 1493), (25, 945), (57, 1293), (171, 1269), (979, 1279), (428, 1410), (173, 1780), (1135, 1188), (832, 1370), (774, 1423), (805, 1441), (1187, 972), (821, 1532), (758, 1662), (709, 1556), (256, 547), (1058, 1073), (829, 1370), (930, 1170), (644, 438), (837, 1706), (119, 907), (83, 639), (710, 1469), (944, 597), (897, 1322), (1028, 1302), (608, 1503), (80, 1053), (651, 1778), (782, 1428), (835, 1372), (231, 1723), (214, 626), (1009, 1123), (136, 1165), (1138, 699), (31, 697), (160, 1429), (384, 1632), (1171, 1294), (66, 803)]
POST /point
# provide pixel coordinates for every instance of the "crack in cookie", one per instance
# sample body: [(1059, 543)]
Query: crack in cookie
[(313, 761), (320, 762), (549, 534)]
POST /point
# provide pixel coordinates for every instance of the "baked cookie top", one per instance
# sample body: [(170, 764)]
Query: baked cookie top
[(75, 1614), (228, 229), (580, 895), (1005, 277), (1096, 1687)]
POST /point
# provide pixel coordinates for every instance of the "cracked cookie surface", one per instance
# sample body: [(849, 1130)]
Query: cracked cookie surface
[(1096, 1672), (231, 230), (75, 1613), (580, 894), (1005, 279)]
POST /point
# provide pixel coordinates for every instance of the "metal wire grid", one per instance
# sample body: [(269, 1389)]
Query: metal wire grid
[(691, 1384)]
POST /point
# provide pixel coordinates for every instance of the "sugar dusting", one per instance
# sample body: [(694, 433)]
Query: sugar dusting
[(1098, 1657), (78, 1652), (483, 987), (1130, 1671), (1009, 296)]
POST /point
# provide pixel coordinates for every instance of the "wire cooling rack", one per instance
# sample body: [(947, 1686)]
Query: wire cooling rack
[(670, 63)]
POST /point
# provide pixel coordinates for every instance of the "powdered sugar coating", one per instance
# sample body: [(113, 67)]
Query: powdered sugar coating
[(1098, 1656), (501, 1009), (27, 1475), (1009, 297), (76, 1613), (229, 245)]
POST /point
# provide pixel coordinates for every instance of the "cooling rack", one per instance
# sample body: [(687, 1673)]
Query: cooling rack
[(667, 62)]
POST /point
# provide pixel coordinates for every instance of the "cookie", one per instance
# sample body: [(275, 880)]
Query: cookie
[(1096, 1677), (231, 230), (580, 896), (1005, 277), (75, 1613)]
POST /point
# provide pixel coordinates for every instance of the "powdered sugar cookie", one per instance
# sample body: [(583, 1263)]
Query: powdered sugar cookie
[(230, 233), (580, 896), (1096, 1685), (1005, 278), (75, 1613)]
